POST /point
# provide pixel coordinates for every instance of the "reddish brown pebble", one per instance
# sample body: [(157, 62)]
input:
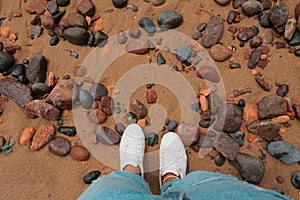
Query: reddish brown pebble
[(43, 135), (151, 96), (208, 73), (263, 84), (262, 64), (248, 53), (79, 153), (107, 105), (265, 49), (137, 47), (59, 146), (47, 22), (297, 110), (36, 6), (279, 179), (97, 116), (232, 29), (27, 136), (220, 52)]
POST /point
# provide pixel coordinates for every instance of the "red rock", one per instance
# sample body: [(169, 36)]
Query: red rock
[(79, 153), (271, 106), (86, 8), (188, 134), (97, 116), (139, 109), (47, 22), (107, 105), (220, 52), (107, 136), (27, 136), (213, 31), (43, 135), (60, 146), (39, 108), (75, 19), (208, 73), (265, 129), (137, 46), (151, 96), (36, 6), (248, 53)]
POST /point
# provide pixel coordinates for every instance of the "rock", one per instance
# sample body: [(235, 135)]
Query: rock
[(5, 31), (183, 53), (36, 6), (254, 58), (264, 20), (76, 35), (100, 39), (297, 53), (256, 41), (284, 151), (237, 3), (97, 116), (197, 35), (119, 3), (226, 146), (296, 178), (222, 2), (265, 129), (11, 47), (229, 118), (267, 36), (158, 2), (2, 141), (251, 169), (169, 19), (37, 69), (120, 128), (107, 104), (97, 91), (86, 8), (77, 20), (152, 139), (107, 136), (297, 110), (295, 39), (40, 89), (135, 33), (62, 94), (231, 17), (59, 146), (201, 27), (219, 159), (36, 31), (281, 119), (57, 16), (43, 135), (239, 137), (208, 73), (282, 90), (67, 130), (271, 106), (85, 99), (204, 123), (6, 61), (54, 40), (160, 59), (220, 52), (246, 34), (213, 31), (297, 11), (16, 90), (121, 37), (47, 22), (38, 108), (91, 176), (23, 79), (137, 46), (267, 4), (52, 7), (79, 152), (279, 15), (252, 7), (147, 24), (27, 136), (151, 96), (188, 133), (139, 109), (290, 28), (62, 3), (263, 83)]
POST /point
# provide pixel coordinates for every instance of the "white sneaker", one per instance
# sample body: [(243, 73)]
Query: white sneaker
[(173, 158), (132, 147)]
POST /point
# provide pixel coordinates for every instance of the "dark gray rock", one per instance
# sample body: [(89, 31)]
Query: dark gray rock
[(282, 90), (52, 7), (18, 70), (169, 19), (284, 151), (152, 139), (62, 3), (98, 90), (37, 69), (183, 53), (54, 40), (279, 15), (213, 31), (6, 61), (222, 2), (147, 24), (264, 20), (119, 3), (91, 176), (172, 125), (76, 35), (296, 179), (40, 89), (252, 7), (219, 159), (295, 39), (239, 137), (254, 58), (85, 99)]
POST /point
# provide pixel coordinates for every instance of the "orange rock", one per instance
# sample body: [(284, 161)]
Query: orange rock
[(254, 72), (250, 112), (52, 80), (252, 139), (99, 25), (66, 113), (141, 122), (27, 136), (282, 130), (110, 89), (43, 135), (36, 6), (263, 56), (88, 20), (5, 31), (203, 103), (13, 37), (281, 119), (205, 92)]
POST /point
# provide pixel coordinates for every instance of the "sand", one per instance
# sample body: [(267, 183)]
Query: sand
[(41, 175)]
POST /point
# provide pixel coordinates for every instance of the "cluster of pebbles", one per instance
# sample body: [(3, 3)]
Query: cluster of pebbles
[(51, 99)]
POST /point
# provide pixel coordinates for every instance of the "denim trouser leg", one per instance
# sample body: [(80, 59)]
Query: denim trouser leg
[(214, 186), (118, 185)]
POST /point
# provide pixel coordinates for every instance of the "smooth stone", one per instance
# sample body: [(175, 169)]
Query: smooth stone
[(85, 99), (279, 14), (222, 2), (226, 146), (172, 125), (169, 19), (59, 146), (197, 35), (282, 90), (284, 151), (147, 24), (120, 128), (246, 34), (135, 33), (295, 39), (237, 3), (267, 130), (188, 133), (119, 3), (139, 109), (256, 41), (18, 70), (271, 106), (296, 179), (152, 139), (290, 28), (297, 53), (196, 107), (76, 35), (107, 136), (231, 17), (39, 108), (62, 3), (6, 61), (201, 27), (26, 136), (252, 7), (219, 160), (107, 104), (43, 136), (160, 59), (58, 16), (151, 95), (52, 7), (97, 91), (97, 116), (297, 11), (19, 92), (213, 31), (296, 108), (137, 46), (252, 169), (267, 36), (37, 69), (262, 82), (79, 152), (100, 39), (208, 73), (121, 37), (254, 58), (54, 40), (23, 79), (47, 22), (36, 31), (91, 38), (234, 65), (67, 130), (40, 89), (267, 4), (36, 6), (204, 123), (239, 137), (86, 8), (264, 20), (158, 2), (220, 52), (183, 53), (91, 176), (77, 20)]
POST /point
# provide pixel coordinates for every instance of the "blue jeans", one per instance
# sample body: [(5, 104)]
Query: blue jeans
[(196, 185)]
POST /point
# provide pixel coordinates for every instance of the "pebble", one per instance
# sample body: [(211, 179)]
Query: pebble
[(52, 7), (296, 179), (197, 35), (54, 40), (1, 46), (204, 123), (227, 146), (147, 24), (97, 91), (222, 2), (267, 4), (17, 70), (160, 59), (252, 169), (100, 39), (37, 69), (79, 153), (90, 40), (6, 61), (290, 28), (151, 96), (281, 119), (271, 106), (220, 52), (76, 35), (256, 41), (158, 2), (135, 33), (188, 133), (139, 109), (254, 58), (40, 89), (85, 99), (237, 3), (19, 92), (263, 83), (62, 3), (47, 22), (239, 137), (296, 107), (67, 130), (23, 79), (86, 8), (297, 11), (120, 128), (279, 15), (231, 17), (137, 46), (119, 3), (201, 27), (246, 34), (234, 65), (107, 136), (229, 118), (264, 20), (295, 39), (284, 151), (265, 129), (169, 19), (27, 136), (39, 108), (183, 53), (152, 139), (77, 20), (219, 159), (282, 90), (42, 136), (121, 37), (107, 104), (97, 116), (57, 16), (172, 125), (297, 52), (208, 73), (36, 6), (252, 7), (59, 146), (213, 32), (91, 176), (35, 31), (267, 36), (242, 103)]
